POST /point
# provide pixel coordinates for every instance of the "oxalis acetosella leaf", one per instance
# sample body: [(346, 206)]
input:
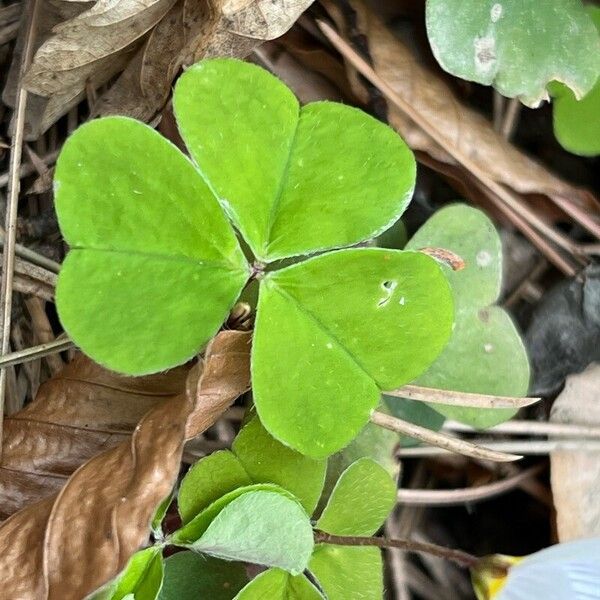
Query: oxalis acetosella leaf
[(155, 264)]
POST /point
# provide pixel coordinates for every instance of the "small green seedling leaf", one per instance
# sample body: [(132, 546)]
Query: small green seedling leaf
[(154, 267), (577, 122), (191, 576), (275, 584), (347, 572), (141, 579), (208, 480), (261, 527), (267, 460), (362, 320), (293, 180), (518, 46), (485, 353), (360, 502), (256, 458), (194, 529)]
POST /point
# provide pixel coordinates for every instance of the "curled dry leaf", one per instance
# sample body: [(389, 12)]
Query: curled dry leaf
[(147, 41), (81, 412), (68, 545), (469, 131)]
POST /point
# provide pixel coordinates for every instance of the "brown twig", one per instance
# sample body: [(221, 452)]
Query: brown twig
[(440, 440), (463, 559)]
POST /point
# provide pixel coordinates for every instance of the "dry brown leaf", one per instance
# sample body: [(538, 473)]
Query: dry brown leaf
[(576, 473), (83, 411), (147, 41), (428, 93), (192, 31), (67, 546)]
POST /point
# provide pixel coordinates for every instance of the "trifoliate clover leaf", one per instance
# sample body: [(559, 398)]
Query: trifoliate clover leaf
[(485, 353), (256, 457), (518, 46), (155, 267)]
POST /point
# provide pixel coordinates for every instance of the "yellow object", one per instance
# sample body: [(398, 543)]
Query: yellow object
[(490, 574)]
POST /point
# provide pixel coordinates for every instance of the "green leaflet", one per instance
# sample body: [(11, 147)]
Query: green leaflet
[(576, 122), (348, 572), (276, 584), (208, 480), (190, 576), (293, 180), (142, 578), (267, 460), (360, 502), (518, 46), (485, 353), (256, 458), (194, 529), (154, 267), (361, 320), (261, 527)]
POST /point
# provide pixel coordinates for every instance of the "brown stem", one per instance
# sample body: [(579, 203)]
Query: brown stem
[(463, 559)]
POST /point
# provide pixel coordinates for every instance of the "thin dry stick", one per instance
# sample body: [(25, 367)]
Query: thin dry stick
[(523, 447), (511, 117), (21, 356), (463, 559), (532, 428), (452, 398), (32, 256), (14, 185), (477, 172), (440, 440), (415, 497)]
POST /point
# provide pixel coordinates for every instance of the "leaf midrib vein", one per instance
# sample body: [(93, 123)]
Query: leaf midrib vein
[(166, 257), (282, 292)]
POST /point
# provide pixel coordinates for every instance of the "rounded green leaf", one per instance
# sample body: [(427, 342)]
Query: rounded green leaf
[(348, 572), (142, 578), (190, 576), (333, 331), (485, 353), (293, 180), (193, 530), (518, 46), (208, 480), (154, 267), (360, 502), (261, 527), (577, 122), (267, 460), (275, 584)]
